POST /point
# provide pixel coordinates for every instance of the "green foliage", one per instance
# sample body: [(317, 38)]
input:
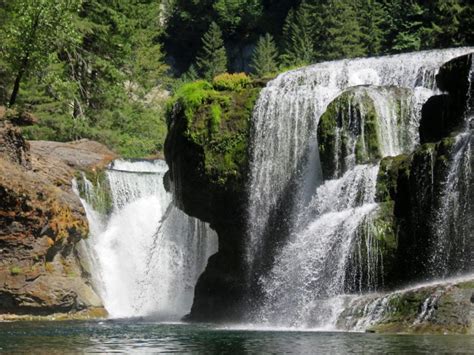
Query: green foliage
[(218, 121), (297, 34), (235, 14), (192, 95), (212, 59), (410, 30), (34, 33), (265, 56), (103, 74), (371, 15), (339, 31), (444, 29), (233, 82)]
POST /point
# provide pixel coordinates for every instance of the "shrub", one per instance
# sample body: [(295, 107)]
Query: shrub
[(232, 82)]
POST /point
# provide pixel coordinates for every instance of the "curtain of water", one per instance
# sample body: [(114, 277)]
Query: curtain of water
[(308, 269), (147, 255)]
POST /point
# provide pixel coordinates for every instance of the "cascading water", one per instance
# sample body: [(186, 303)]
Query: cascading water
[(453, 222), (147, 255), (308, 271)]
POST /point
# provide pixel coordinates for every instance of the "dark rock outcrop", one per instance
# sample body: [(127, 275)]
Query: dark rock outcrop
[(443, 114), (208, 171), (432, 189)]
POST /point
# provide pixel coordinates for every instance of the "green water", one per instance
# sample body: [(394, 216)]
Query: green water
[(140, 336)]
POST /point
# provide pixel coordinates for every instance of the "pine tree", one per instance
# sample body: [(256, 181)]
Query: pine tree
[(298, 46), (265, 55), (212, 58), (443, 17), (405, 25), (371, 15), (339, 31)]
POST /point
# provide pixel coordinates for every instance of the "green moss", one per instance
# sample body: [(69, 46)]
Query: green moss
[(389, 171), (218, 121), (466, 285), (216, 115), (100, 198), (349, 125), (367, 146)]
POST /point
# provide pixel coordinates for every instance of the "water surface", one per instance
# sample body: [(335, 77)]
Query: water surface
[(142, 336)]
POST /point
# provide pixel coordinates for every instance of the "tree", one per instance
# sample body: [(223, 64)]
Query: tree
[(403, 25), (212, 58), (146, 63), (238, 16), (443, 24), (298, 46), (265, 55), (338, 32), (371, 15), (36, 30)]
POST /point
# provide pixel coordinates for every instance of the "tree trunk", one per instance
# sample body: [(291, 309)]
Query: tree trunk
[(19, 76), (16, 88)]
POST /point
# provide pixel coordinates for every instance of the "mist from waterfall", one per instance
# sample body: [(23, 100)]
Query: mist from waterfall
[(146, 253), (307, 274)]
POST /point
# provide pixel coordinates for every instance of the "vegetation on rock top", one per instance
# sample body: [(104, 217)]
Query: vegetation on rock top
[(218, 119)]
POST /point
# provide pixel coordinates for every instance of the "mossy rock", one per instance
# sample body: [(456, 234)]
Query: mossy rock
[(387, 179), (207, 152), (348, 127), (100, 198), (218, 121), (374, 253)]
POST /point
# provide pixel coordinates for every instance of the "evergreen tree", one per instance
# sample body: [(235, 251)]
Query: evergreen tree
[(443, 20), (298, 46), (466, 27), (339, 31), (264, 58), (404, 25), (371, 15), (212, 58)]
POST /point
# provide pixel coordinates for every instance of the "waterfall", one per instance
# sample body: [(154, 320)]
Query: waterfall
[(453, 222), (146, 254), (328, 198)]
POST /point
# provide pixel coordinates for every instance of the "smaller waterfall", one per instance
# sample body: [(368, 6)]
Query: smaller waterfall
[(453, 222), (147, 254)]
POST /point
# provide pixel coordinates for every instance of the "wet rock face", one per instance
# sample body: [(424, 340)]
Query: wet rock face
[(41, 222), (444, 113), (442, 308), (208, 168)]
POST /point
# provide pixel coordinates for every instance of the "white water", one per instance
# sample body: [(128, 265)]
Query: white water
[(147, 255), (453, 222), (287, 112), (364, 311), (307, 277)]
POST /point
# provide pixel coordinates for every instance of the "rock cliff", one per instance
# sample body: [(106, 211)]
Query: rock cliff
[(41, 223)]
